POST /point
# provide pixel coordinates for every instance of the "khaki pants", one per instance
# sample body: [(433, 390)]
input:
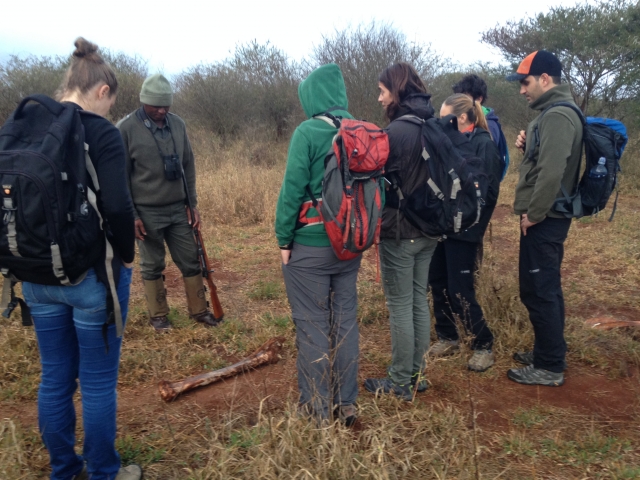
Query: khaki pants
[(167, 224)]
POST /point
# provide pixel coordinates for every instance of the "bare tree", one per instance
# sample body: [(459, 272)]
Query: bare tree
[(363, 53), (255, 88)]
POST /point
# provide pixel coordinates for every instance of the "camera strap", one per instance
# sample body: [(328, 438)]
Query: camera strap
[(142, 116)]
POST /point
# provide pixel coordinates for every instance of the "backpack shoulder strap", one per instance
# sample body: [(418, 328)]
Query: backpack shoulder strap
[(411, 119), (328, 117), (572, 106)]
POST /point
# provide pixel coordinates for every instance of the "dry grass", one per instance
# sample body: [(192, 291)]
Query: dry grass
[(247, 428)]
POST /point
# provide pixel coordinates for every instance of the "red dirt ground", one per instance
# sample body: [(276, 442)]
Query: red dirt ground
[(588, 391)]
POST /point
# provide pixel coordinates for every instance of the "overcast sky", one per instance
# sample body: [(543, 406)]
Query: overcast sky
[(175, 35)]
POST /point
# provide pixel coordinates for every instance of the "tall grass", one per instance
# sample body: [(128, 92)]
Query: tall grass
[(254, 431)]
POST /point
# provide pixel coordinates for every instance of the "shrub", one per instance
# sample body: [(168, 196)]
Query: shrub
[(255, 89), (20, 77), (362, 53)]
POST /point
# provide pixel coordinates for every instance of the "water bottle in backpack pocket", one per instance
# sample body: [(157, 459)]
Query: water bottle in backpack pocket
[(604, 140), (594, 185)]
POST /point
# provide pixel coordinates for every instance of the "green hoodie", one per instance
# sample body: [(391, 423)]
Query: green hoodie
[(322, 90), (554, 162)]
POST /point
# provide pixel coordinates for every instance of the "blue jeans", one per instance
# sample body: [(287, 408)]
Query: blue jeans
[(68, 323)]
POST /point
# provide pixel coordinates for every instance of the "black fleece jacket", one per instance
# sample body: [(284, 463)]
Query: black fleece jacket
[(405, 162), (114, 201)]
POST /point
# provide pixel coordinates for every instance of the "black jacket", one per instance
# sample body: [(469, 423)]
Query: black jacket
[(485, 148), (405, 163)]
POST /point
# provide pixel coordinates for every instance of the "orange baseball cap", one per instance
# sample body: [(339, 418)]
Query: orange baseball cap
[(537, 63)]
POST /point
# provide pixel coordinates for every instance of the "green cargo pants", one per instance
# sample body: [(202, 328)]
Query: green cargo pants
[(405, 270), (168, 224)]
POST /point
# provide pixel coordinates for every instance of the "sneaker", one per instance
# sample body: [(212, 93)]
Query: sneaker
[(421, 385), (444, 348), (525, 358), (347, 414), (530, 375), (386, 385), (481, 360), (161, 324), (131, 472), (207, 318)]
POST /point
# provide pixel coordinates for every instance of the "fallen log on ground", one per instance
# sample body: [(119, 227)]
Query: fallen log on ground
[(267, 353)]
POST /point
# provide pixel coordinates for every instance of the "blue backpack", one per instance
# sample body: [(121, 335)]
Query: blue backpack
[(601, 138)]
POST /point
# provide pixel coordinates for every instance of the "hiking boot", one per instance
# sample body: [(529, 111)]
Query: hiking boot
[(386, 385), (347, 414), (161, 324), (207, 318), (132, 472), (481, 360), (525, 358), (420, 386), (530, 375), (444, 348)]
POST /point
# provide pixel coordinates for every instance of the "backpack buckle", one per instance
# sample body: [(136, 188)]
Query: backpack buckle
[(7, 205)]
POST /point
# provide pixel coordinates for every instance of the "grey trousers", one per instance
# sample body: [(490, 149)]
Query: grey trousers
[(405, 271), (167, 224), (323, 298)]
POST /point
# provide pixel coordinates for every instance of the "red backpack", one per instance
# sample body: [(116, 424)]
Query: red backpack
[(351, 204)]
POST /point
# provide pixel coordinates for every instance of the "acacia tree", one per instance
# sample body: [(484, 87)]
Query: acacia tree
[(362, 53), (597, 43)]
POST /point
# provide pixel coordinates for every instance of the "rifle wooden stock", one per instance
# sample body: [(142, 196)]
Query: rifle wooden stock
[(218, 313)]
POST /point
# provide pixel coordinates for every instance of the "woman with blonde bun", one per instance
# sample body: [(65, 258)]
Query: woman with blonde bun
[(76, 339)]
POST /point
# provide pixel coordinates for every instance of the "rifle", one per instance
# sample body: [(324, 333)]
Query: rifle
[(218, 313)]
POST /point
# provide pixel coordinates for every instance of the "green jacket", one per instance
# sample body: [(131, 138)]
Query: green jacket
[(556, 160), (145, 168), (322, 90)]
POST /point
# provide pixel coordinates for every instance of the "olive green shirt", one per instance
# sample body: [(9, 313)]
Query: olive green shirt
[(145, 167), (555, 161)]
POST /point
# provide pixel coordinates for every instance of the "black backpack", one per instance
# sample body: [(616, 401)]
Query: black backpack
[(601, 138), (452, 199), (51, 232)]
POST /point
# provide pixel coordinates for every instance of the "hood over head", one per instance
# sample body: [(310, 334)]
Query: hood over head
[(418, 104), (322, 90)]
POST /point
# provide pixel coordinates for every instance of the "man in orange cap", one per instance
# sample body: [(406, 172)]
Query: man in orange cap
[(552, 146)]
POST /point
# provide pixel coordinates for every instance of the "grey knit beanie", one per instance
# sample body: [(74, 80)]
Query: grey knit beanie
[(156, 91)]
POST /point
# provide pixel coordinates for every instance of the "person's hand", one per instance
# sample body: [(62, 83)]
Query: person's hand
[(286, 255), (521, 141), (525, 223), (140, 231), (127, 265), (196, 217)]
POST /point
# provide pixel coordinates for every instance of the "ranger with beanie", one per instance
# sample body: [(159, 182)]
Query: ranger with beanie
[(158, 153), (552, 146)]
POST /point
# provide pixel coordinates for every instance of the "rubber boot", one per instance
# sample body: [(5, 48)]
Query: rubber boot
[(197, 302), (156, 296)]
